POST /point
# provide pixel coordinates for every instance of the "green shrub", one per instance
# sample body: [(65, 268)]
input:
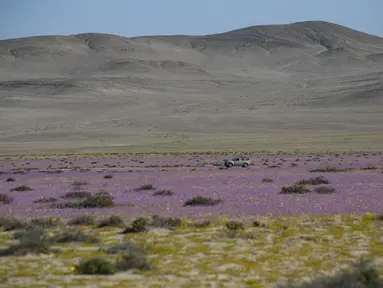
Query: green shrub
[(202, 201), (163, 193), (96, 266), (295, 189), (111, 221), (6, 199), (234, 225), (32, 241), (138, 225), (145, 187), (44, 199), (12, 223), (165, 222), (71, 235), (82, 220), (369, 168), (21, 188), (98, 200), (133, 260)]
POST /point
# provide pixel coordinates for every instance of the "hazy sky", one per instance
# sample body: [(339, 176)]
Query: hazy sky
[(20, 18)]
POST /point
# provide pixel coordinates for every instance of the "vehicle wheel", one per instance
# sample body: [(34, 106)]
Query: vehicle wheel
[(245, 165), (230, 165)]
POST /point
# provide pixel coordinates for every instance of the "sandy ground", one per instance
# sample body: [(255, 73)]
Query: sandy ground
[(299, 86)]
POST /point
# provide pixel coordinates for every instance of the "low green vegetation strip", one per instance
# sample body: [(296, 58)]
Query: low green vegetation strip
[(327, 251)]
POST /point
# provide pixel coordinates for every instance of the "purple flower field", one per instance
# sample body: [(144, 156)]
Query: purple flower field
[(358, 187)]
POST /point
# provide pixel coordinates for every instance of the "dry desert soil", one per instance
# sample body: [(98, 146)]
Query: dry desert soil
[(298, 86)]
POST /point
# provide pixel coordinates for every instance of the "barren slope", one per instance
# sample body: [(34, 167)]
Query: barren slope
[(97, 90)]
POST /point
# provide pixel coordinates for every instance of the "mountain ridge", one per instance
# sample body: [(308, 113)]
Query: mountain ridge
[(263, 26), (313, 36), (307, 78)]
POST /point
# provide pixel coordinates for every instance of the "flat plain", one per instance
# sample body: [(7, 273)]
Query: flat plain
[(297, 235)]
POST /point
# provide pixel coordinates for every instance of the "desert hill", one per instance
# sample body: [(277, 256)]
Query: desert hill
[(95, 90)]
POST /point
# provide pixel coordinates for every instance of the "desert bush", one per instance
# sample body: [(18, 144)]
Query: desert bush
[(145, 187), (44, 199), (267, 180), (369, 168), (21, 188), (329, 170), (313, 181), (12, 223), (163, 193), (325, 190), (138, 225), (202, 201), (31, 242), (79, 183), (6, 199), (133, 260), (362, 275), (234, 225), (82, 220), (273, 166), (165, 222), (295, 189), (44, 222), (96, 266), (10, 180), (111, 221), (27, 230), (76, 195), (98, 200), (73, 235)]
